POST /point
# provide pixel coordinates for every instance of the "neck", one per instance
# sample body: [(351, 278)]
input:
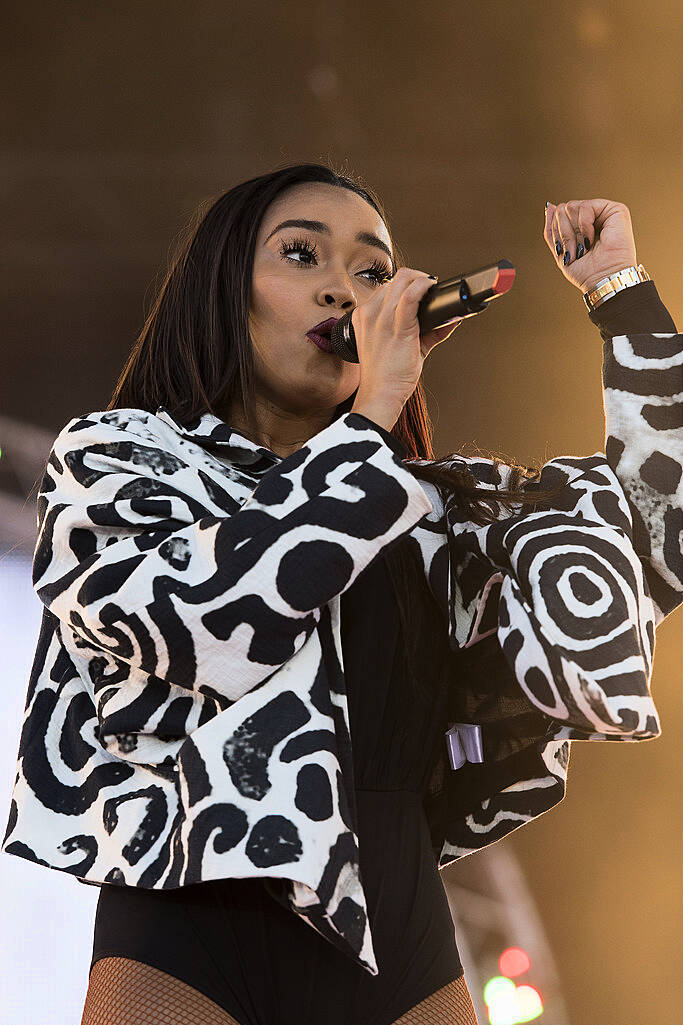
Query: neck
[(281, 431)]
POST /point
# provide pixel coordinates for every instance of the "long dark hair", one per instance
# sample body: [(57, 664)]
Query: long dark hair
[(194, 353)]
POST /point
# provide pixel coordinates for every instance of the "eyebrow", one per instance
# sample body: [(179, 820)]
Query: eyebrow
[(362, 236)]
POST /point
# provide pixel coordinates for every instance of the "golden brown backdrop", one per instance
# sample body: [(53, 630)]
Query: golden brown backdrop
[(119, 119)]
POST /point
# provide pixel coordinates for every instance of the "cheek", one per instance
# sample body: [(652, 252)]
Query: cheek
[(275, 301), (276, 317)]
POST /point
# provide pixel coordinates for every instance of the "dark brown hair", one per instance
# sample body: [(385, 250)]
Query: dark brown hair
[(194, 353)]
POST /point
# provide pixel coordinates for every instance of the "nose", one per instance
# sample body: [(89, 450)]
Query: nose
[(345, 304), (340, 294)]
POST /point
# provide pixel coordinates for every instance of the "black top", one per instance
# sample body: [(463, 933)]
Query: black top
[(256, 958), (635, 309)]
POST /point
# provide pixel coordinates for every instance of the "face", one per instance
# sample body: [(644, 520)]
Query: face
[(295, 288)]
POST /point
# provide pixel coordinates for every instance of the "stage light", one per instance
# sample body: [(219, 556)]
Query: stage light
[(508, 1004), (504, 1012), (529, 1003), (497, 989), (514, 961)]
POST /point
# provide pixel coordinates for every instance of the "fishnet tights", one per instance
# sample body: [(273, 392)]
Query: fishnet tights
[(450, 1005), (122, 991)]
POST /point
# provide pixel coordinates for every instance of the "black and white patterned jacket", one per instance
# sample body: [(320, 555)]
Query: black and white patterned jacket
[(187, 690)]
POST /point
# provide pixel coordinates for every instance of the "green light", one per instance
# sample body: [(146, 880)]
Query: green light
[(498, 987), (509, 1004)]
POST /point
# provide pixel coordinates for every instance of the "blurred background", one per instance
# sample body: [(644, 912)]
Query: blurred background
[(118, 120)]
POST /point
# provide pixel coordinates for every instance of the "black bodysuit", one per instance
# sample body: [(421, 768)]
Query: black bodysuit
[(255, 958)]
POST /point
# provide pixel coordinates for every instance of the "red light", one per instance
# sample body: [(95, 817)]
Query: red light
[(513, 961)]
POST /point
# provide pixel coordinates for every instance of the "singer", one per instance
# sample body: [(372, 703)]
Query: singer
[(270, 612)]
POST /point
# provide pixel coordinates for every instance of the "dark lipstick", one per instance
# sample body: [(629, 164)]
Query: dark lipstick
[(320, 334)]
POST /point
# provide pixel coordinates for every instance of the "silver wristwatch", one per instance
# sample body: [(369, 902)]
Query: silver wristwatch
[(609, 286)]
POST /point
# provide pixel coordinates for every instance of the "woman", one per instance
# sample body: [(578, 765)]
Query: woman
[(206, 932)]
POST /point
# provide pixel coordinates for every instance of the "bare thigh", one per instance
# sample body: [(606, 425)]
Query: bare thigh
[(122, 991), (450, 1005)]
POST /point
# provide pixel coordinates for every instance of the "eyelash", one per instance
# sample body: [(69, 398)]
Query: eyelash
[(380, 269)]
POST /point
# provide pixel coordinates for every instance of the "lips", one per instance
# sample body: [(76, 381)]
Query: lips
[(324, 328)]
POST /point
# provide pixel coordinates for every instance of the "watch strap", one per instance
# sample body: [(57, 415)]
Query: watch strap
[(613, 283)]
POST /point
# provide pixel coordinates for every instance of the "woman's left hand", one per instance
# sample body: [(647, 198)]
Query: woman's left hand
[(606, 225)]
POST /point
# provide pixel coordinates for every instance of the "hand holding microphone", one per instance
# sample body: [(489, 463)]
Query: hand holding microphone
[(392, 333)]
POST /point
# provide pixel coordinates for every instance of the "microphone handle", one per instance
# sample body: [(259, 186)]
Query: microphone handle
[(463, 296)]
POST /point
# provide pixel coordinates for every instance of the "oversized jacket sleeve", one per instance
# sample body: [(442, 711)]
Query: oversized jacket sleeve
[(142, 559), (564, 599), (642, 373)]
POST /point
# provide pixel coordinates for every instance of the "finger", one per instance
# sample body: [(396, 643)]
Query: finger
[(450, 325), (548, 226), (564, 234), (381, 305), (438, 335), (385, 297), (576, 211), (586, 231), (402, 280), (410, 299), (550, 231)]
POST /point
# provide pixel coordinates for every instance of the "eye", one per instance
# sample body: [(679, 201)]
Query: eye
[(298, 245), (379, 269)]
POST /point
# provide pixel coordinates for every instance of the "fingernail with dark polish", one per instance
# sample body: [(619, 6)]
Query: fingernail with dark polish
[(567, 258), (579, 252), (586, 243), (558, 248)]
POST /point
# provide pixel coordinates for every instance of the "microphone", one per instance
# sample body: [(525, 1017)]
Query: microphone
[(463, 296)]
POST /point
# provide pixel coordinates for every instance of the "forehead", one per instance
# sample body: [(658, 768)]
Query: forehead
[(339, 207)]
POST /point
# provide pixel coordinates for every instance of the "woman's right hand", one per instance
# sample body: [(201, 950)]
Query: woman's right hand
[(391, 350)]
